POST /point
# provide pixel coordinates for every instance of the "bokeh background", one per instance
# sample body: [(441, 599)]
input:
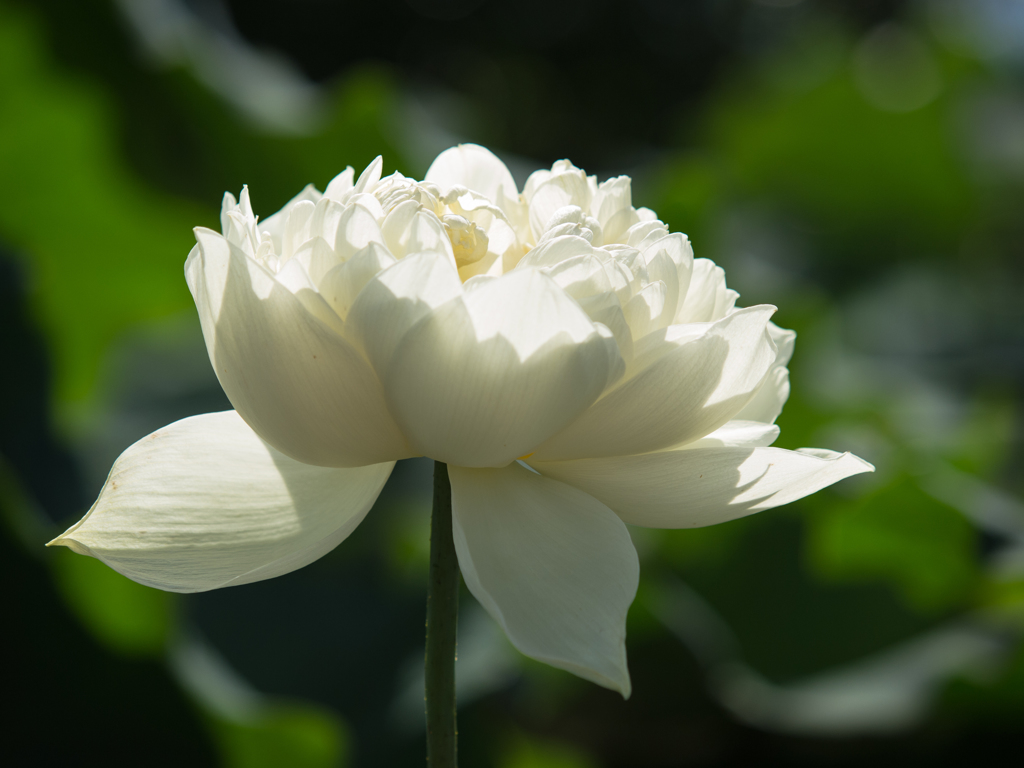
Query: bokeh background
[(858, 164)]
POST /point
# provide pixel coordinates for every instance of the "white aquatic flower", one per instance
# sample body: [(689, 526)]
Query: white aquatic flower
[(558, 348)]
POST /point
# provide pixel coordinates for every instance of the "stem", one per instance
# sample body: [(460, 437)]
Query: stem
[(442, 622)]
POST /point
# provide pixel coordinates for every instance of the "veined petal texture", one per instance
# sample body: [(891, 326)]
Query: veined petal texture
[(485, 376), (688, 381), (296, 381), (205, 503), (703, 486), (553, 566), (767, 404)]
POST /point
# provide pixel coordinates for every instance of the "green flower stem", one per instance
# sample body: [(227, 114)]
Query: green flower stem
[(442, 623)]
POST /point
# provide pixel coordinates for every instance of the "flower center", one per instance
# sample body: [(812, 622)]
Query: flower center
[(469, 242)]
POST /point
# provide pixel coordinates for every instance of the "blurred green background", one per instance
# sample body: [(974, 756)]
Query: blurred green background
[(858, 164)]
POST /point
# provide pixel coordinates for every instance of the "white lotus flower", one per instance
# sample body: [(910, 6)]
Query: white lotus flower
[(558, 348)]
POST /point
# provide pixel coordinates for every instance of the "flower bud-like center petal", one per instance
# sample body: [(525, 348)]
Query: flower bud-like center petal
[(469, 241)]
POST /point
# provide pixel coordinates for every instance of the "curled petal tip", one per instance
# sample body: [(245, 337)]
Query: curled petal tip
[(867, 465)]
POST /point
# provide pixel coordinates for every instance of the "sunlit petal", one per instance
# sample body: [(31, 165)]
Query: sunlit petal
[(204, 503), (554, 566)]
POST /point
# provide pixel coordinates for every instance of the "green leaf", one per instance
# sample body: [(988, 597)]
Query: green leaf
[(106, 251), (904, 537)]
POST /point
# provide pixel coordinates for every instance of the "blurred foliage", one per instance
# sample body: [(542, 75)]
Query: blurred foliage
[(104, 246), (526, 752), (884, 182), (125, 616), (902, 536), (303, 737)]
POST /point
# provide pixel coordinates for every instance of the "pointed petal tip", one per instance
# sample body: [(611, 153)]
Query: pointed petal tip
[(205, 233), (625, 689), (617, 680), (851, 462), (274, 515), (75, 546)]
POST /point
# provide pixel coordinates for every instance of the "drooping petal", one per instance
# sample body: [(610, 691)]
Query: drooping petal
[(205, 503), (488, 376), (703, 486), (685, 388), (475, 168), (552, 565), (299, 384)]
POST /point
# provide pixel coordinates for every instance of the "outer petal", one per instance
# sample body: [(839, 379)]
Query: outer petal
[(704, 486), (488, 376), (692, 387), (553, 566), (299, 384), (204, 503), (767, 404), (785, 340), (475, 168)]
